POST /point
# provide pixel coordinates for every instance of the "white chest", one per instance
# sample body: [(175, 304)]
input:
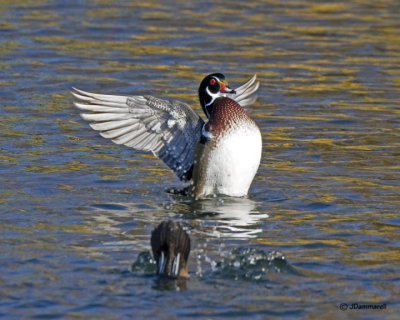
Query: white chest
[(233, 162)]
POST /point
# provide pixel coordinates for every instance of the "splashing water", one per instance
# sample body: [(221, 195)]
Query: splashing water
[(239, 264)]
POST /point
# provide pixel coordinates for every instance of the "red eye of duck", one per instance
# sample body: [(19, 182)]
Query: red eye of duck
[(212, 81)]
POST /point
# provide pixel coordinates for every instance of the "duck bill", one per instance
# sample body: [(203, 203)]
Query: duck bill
[(225, 88)]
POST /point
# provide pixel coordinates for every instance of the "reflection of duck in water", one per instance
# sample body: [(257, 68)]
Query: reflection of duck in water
[(171, 246), (220, 156)]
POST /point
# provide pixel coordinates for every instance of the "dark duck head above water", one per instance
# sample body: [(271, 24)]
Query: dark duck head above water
[(212, 87), (220, 156), (171, 247)]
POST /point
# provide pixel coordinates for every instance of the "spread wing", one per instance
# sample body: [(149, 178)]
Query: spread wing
[(168, 129), (244, 94)]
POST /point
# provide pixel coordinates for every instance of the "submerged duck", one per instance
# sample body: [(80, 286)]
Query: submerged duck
[(220, 156), (171, 247)]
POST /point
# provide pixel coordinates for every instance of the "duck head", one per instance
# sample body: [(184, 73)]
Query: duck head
[(212, 87), (171, 246)]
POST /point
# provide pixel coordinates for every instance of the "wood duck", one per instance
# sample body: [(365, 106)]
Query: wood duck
[(171, 247), (220, 156)]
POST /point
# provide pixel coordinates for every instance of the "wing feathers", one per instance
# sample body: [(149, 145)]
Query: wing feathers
[(97, 117), (110, 125), (130, 136), (248, 101), (100, 108), (100, 97), (114, 133), (248, 84), (245, 91), (168, 129)]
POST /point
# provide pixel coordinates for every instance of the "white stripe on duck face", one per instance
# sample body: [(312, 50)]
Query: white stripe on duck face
[(213, 97)]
